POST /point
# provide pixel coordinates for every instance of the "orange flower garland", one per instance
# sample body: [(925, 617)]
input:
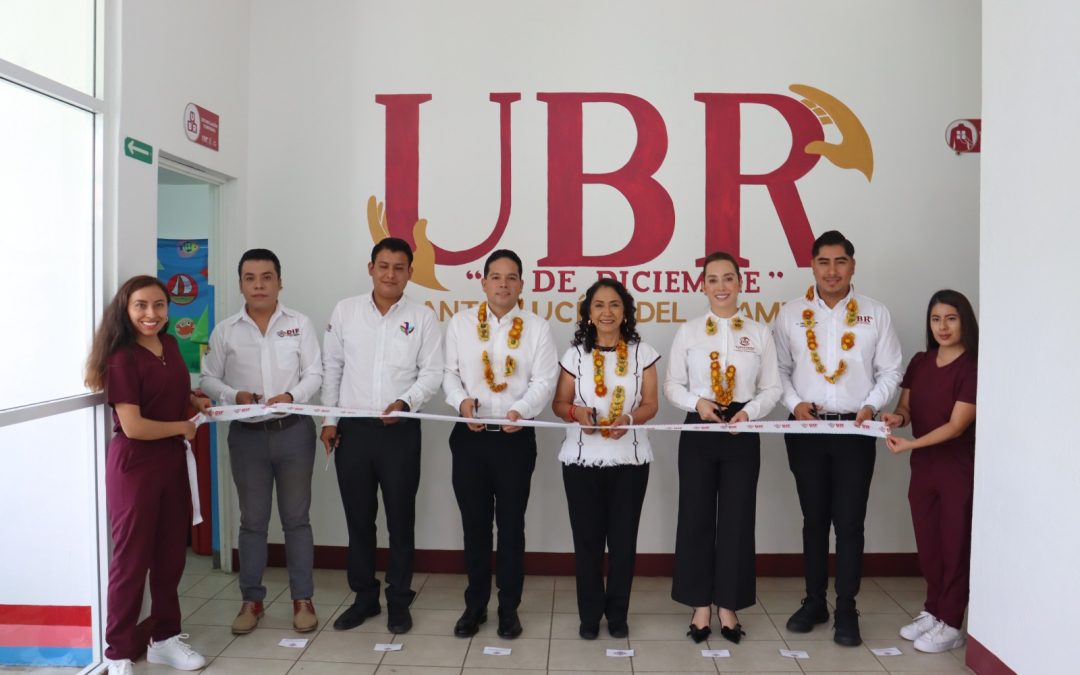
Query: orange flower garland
[(847, 340), (710, 325), (513, 341), (724, 394), (618, 397)]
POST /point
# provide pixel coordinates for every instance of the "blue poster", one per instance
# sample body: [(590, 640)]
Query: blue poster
[(182, 266)]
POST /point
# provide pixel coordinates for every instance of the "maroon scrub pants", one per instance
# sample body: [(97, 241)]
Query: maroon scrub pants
[(149, 505), (942, 482)]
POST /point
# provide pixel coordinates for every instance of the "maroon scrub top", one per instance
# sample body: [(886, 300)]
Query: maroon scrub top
[(934, 392), (161, 390)]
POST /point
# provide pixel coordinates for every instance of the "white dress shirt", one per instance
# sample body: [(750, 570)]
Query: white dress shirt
[(750, 349), (593, 449), (529, 389), (241, 358), (873, 365), (371, 360)]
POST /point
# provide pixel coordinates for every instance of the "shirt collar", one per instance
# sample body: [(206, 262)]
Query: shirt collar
[(375, 308), (843, 302), (278, 311)]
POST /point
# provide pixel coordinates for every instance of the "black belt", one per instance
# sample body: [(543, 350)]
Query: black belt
[(835, 416), (276, 424)]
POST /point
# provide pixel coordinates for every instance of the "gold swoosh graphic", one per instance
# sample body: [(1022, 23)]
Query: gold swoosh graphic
[(423, 252), (854, 150)]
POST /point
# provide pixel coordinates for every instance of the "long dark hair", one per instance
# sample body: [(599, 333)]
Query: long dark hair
[(115, 330), (586, 332), (969, 325)]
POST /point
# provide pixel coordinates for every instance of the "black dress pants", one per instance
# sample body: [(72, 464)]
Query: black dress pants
[(832, 475), (492, 475), (371, 457), (714, 544), (605, 507)]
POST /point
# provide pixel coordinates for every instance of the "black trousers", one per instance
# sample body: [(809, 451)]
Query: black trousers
[(492, 475), (371, 457), (605, 507), (714, 544), (832, 475)]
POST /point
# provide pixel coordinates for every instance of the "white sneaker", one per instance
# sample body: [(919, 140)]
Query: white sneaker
[(175, 653), (922, 623), (941, 638), (119, 666)]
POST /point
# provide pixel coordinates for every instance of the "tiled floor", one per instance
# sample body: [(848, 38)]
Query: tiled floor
[(550, 643)]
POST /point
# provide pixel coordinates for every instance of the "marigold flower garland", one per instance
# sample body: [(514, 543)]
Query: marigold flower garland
[(513, 340), (847, 340), (618, 397)]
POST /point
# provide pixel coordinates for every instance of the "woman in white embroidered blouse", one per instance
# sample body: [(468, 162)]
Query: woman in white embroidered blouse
[(608, 380), (723, 369)]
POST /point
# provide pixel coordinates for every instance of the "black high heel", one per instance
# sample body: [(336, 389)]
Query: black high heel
[(699, 635), (732, 634)]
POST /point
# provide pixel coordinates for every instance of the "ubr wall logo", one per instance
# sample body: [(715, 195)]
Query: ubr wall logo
[(651, 204)]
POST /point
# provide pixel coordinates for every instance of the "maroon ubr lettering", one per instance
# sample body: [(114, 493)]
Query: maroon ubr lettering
[(724, 177), (654, 213), (403, 172)]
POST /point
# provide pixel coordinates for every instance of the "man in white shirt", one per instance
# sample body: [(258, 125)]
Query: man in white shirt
[(500, 363), (268, 353), (839, 359), (382, 352)]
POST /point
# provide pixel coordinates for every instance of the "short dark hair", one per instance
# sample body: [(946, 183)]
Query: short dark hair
[(720, 255), (503, 253), (969, 325), (393, 244), (258, 254), (832, 238), (586, 332)]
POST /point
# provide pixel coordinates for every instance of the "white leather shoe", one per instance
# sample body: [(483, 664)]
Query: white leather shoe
[(922, 623), (941, 638), (175, 653)]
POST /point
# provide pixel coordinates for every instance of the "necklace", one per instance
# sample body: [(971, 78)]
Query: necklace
[(847, 340), (513, 340), (618, 397)]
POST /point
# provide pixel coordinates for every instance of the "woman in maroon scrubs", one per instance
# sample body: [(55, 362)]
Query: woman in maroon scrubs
[(938, 398), (146, 382)]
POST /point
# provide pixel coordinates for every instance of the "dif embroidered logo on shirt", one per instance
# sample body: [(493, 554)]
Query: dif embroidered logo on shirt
[(745, 344), (291, 332), (407, 328)]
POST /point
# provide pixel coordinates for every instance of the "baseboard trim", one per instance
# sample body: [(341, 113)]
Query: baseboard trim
[(562, 564), (983, 661)]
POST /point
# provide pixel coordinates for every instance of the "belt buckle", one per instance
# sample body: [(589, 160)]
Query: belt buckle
[(492, 427)]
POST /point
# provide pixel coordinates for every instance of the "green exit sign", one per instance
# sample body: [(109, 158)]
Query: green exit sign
[(138, 150)]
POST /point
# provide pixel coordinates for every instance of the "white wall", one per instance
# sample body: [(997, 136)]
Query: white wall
[(317, 153), (172, 54), (1027, 472)]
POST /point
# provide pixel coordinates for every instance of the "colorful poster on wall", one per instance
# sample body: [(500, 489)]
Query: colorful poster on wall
[(182, 265)]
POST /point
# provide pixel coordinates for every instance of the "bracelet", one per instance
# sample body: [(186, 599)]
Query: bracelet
[(631, 418), (570, 413)]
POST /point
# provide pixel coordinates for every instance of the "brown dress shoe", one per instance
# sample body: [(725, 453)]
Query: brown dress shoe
[(304, 619), (248, 618)]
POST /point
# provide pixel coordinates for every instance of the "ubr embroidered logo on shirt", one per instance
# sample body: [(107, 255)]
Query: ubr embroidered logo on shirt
[(407, 328), (745, 345)]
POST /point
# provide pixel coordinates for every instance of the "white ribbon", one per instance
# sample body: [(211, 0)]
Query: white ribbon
[(226, 413), (193, 481)]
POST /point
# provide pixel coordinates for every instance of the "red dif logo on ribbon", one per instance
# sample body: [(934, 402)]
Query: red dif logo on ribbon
[(806, 115)]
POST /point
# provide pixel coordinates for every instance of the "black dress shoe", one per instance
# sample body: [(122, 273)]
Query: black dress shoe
[(356, 615), (732, 634), (809, 615), (398, 619), (618, 629), (589, 631), (509, 624), (699, 635), (846, 628), (470, 621)]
